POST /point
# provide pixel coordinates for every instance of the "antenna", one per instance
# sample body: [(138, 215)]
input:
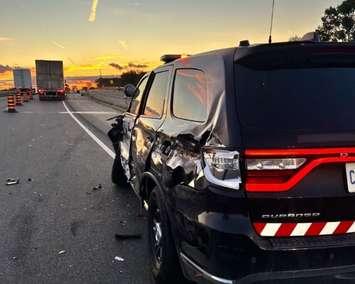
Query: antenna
[(272, 21)]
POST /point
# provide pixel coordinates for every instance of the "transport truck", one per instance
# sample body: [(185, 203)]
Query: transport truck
[(50, 80), (23, 82), (22, 78)]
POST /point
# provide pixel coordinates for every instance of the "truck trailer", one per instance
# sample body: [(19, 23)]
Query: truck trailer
[(22, 78), (23, 83), (50, 80)]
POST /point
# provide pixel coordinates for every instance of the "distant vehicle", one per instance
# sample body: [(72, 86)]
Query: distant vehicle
[(245, 160), (23, 81), (50, 80), (22, 78)]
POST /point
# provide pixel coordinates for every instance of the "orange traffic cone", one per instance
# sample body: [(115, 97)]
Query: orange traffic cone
[(18, 100), (25, 97), (11, 104)]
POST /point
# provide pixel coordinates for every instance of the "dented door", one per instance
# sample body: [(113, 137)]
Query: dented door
[(128, 122), (151, 118)]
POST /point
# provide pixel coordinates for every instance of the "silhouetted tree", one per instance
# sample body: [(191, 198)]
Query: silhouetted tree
[(295, 38), (131, 77), (107, 82), (338, 23)]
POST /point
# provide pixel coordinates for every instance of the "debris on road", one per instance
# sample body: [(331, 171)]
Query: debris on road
[(61, 252), (98, 187), (128, 236), (29, 179), (12, 181), (120, 259)]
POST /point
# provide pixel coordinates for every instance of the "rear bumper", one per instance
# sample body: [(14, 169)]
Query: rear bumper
[(218, 244), (346, 274)]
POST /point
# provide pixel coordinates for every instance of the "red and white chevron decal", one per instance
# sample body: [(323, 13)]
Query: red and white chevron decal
[(304, 229)]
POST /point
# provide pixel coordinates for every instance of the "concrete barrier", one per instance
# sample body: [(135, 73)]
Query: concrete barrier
[(5, 93), (111, 96)]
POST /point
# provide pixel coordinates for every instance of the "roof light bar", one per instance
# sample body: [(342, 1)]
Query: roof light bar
[(167, 58)]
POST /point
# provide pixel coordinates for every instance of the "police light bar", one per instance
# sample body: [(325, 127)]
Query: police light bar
[(167, 58)]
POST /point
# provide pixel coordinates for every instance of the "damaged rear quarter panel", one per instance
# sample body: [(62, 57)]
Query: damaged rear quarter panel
[(177, 153)]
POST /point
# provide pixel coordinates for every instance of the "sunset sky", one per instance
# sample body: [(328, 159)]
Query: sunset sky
[(109, 35)]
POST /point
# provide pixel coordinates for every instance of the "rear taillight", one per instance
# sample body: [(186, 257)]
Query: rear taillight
[(221, 167), (277, 170), (274, 164)]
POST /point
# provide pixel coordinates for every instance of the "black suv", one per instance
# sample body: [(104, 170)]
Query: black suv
[(245, 160)]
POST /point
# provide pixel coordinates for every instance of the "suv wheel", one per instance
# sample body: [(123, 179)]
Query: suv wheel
[(118, 177), (165, 264)]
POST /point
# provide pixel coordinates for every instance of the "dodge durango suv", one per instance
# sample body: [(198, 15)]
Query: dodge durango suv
[(245, 160)]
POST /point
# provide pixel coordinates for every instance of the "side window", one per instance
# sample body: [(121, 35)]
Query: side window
[(190, 95), (156, 96), (136, 102)]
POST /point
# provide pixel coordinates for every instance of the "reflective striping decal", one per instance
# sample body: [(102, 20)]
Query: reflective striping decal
[(352, 228), (270, 229), (343, 227), (315, 229), (286, 229), (301, 229), (259, 227), (329, 228), (304, 229)]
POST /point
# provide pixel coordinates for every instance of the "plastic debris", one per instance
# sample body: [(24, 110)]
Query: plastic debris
[(12, 181), (61, 252), (120, 259), (128, 236)]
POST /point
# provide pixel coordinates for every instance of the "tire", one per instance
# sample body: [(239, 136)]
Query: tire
[(118, 176), (164, 260)]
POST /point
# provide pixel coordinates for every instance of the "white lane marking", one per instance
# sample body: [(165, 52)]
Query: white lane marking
[(329, 228), (92, 135), (300, 229), (270, 229)]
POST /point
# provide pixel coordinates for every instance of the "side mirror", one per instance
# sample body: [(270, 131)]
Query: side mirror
[(130, 91)]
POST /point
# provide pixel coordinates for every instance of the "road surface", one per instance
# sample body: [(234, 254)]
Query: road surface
[(54, 227)]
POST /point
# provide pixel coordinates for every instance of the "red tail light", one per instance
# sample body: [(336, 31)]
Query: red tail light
[(276, 170)]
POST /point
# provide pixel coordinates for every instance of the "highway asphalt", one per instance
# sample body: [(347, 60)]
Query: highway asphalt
[(54, 227)]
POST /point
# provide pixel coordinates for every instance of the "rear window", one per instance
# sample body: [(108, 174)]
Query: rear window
[(289, 93), (190, 95)]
